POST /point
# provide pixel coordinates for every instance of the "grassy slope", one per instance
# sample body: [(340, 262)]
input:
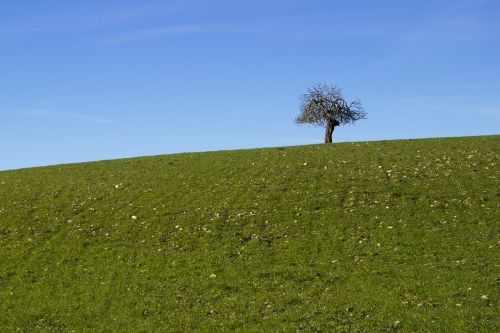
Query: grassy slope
[(376, 236)]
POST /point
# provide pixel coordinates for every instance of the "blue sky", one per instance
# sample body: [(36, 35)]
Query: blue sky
[(90, 80)]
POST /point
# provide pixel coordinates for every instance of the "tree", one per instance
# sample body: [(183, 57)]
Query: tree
[(323, 105)]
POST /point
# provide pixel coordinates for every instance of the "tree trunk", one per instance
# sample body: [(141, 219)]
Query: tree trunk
[(329, 132)]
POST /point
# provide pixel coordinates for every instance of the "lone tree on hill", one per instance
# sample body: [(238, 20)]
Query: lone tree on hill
[(323, 105)]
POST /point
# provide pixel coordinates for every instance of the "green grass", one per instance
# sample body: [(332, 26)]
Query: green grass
[(390, 236)]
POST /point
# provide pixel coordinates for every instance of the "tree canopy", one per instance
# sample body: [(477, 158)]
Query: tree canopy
[(324, 105)]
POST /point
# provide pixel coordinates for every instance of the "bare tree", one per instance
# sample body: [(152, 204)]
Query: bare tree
[(323, 105)]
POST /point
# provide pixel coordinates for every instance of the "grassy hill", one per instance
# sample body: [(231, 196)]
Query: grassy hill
[(390, 236)]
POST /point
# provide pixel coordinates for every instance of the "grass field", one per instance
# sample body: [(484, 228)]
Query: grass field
[(389, 236)]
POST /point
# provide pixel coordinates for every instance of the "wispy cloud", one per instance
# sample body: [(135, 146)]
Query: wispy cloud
[(46, 114), (159, 32), (460, 21), (104, 17), (455, 29), (491, 112), (78, 17)]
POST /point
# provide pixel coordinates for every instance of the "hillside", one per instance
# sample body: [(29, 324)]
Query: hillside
[(351, 237)]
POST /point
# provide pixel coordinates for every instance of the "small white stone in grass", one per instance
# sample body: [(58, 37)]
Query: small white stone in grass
[(212, 275), (484, 297), (134, 217)]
